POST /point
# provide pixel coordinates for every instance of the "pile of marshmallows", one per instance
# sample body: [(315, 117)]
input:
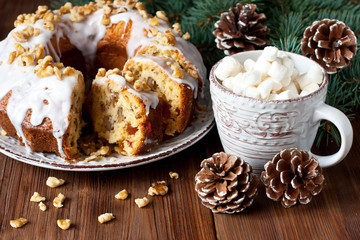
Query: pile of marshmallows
[(273, 76)]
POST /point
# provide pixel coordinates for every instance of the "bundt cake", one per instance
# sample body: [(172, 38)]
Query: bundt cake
[(147, 84)]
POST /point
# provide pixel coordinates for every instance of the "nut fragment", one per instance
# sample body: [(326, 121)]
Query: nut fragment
[(174, 175), (57, 202), (64, 224), (122, 195), (142, 202), (153, 21), (158, 188), (177, 28), (36, 197), (106, 217), (68, 71), (103, 151), (54, 182), (18, 223), (42, 206), (162, 15), (186, 36)]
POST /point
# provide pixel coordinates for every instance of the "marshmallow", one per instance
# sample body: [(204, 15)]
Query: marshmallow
[(288, 94), (228, 67), (252, 92), (315, 74), (311, 87), (265, 88), (249, 64), (270, 54), (277, 70), (252, 78), (272, 76), (262, 66), (303, 80), (228, 83), (291, 87)]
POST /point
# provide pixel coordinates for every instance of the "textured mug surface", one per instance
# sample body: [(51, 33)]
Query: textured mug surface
[(257, 129)]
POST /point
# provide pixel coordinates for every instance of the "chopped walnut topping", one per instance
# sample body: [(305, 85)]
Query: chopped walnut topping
[(129, 76), (64, 224), (54, 182), (167, 38), (186, 36), (42, 206), (158, 188), (65, 9), (57, 73), (130, 3), (154, 32), (58, 201), (3, 132), (68, 71), (113, 71), (142, 202), (18, 223), (105, 20), (153, 21), (106, 217), (143, 13), (41, 9), (174, 175), (177, 72), (139, 6), (26, 19), (36, 197), (101, 73), (122, 195), (12, 57), (177, 28), (141, 85), (162, 15)]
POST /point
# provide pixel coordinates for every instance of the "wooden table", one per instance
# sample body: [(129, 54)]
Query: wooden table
[(334, 214)]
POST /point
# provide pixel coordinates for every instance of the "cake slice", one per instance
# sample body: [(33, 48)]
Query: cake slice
[(124, 116), (176, 89)]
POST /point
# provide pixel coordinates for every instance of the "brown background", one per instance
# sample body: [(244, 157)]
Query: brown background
[(334, 214)]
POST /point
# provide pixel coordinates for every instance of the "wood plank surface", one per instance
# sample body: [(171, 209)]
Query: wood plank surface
[(334, 214)]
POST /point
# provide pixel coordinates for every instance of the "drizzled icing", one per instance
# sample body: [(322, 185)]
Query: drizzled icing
[(150, 99), (166, 68), (30, 91)]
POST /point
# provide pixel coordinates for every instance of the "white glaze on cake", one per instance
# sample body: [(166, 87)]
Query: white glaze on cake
[(29, 91)]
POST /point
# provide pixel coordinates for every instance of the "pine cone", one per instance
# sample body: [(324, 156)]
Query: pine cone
[(291, 176), (225, 183), (240, 29), (330, 43)]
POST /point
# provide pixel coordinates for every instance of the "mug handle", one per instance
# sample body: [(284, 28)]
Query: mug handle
[(339, 119)]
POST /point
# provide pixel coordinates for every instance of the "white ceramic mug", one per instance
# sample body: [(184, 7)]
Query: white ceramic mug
[(257, 129)]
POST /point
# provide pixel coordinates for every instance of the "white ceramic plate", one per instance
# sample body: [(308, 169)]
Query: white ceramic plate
[(204, 121)]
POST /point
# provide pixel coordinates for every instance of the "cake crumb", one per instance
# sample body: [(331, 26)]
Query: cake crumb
[(113, 160), (42, 206), (122, 195), (142, 202), (18, 223), (158, 188), (99, 154), (174, 175), (54, 182), (58, 201), (106, 217), (64, 224), (3, 132), (36, 197)]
